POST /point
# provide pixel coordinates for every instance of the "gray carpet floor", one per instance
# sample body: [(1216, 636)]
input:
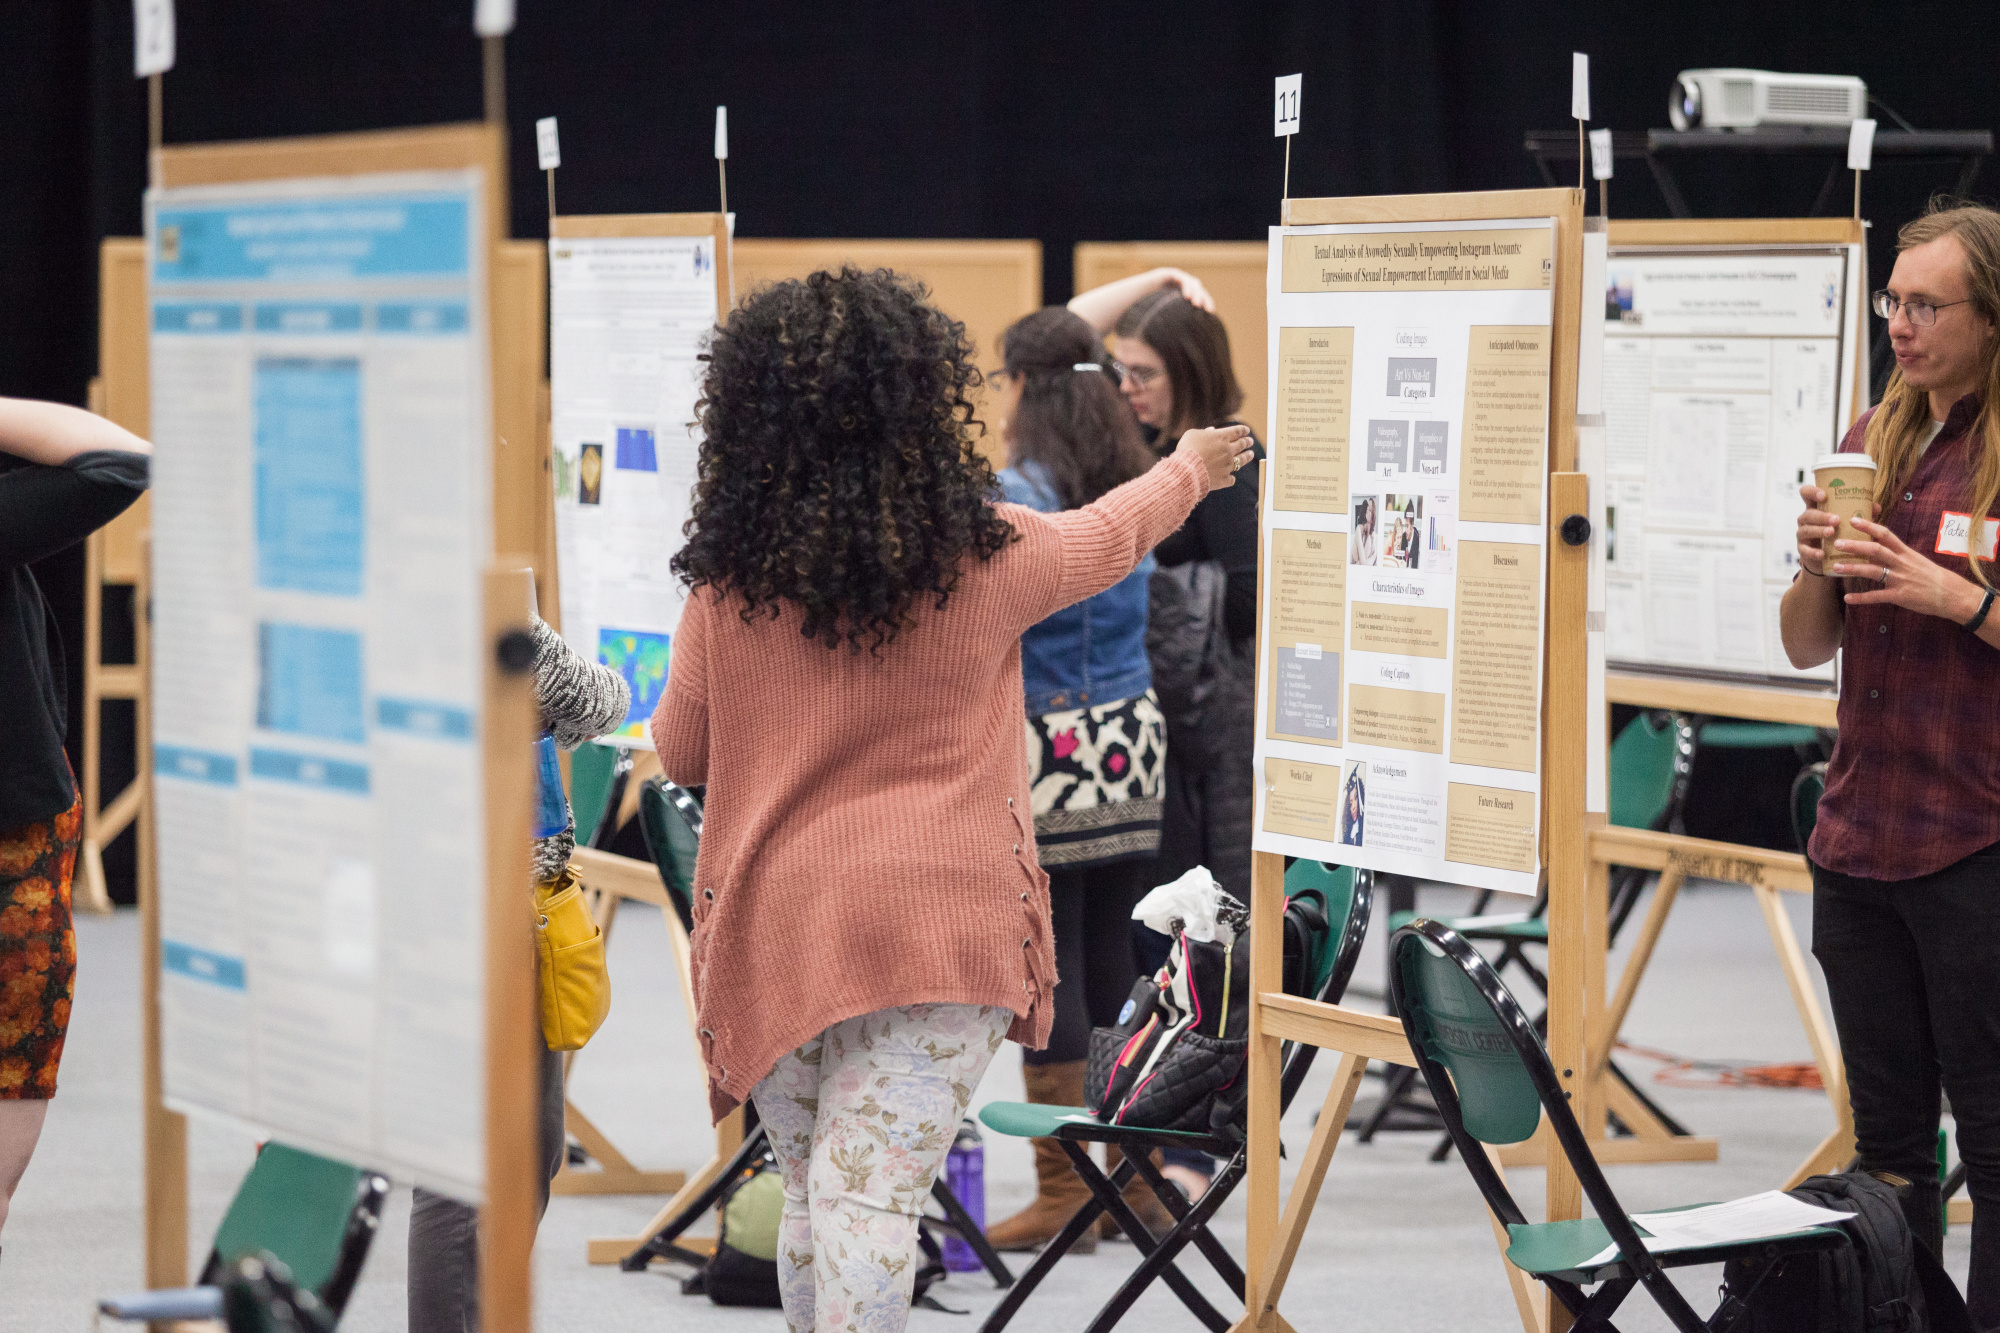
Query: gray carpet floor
[(1397, 1242)]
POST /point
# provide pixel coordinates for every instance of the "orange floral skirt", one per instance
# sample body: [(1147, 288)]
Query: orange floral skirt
[(37, 952)]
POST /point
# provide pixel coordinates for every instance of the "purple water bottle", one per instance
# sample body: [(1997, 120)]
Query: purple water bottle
[(965, 1176)]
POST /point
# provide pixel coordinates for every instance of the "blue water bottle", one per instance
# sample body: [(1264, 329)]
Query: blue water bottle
[(965, 1175)]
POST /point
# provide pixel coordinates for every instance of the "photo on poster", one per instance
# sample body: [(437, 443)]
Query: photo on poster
[(1353, 802), (1402, 526), (590, 474), (1364, 539), (636, 450), (1440, 529), (642, 659)]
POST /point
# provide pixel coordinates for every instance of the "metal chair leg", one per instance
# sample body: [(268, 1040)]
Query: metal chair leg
[(1177, 1203), (661, 1244), (1024, 1285), (1110, 1193), (1192, 1228), (969, 1231)]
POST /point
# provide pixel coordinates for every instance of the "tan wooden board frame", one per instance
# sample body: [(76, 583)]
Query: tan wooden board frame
[(516, 316), (1233, 272), (611, 881), (1576, 910), (987, 285)]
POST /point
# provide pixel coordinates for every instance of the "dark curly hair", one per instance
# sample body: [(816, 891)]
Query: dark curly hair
[(837, 464)]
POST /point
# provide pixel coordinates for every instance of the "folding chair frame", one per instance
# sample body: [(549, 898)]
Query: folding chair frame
[(1190, 1220), (1635, 1265)]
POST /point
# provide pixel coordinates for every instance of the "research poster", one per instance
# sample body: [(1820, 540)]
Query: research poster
[(1726, 372), (627, 320), (321, 521), (1400, 660)]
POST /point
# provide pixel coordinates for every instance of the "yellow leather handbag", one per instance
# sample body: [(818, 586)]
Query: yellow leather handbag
[(569, 955)]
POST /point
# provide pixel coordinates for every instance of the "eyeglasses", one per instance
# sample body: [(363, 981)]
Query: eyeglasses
[(1923, 314), (1139, 375)]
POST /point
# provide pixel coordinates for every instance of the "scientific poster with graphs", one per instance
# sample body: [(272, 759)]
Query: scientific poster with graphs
[(628, 316), (1727, 370), (1400, 640), (322, 511)]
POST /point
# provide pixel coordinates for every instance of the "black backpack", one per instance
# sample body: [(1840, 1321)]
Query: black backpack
[(1881, 1281), (1176, 1057)]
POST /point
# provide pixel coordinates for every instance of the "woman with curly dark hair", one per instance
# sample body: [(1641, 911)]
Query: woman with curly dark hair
[(870, 920)]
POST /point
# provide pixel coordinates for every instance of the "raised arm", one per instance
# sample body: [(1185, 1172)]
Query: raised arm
[(54, 433), (85, 472), (1100, 307), (680, 723), (580, 700), (1099, 544)]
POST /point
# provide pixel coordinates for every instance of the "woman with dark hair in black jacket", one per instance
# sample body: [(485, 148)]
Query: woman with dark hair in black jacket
[(64, 473)]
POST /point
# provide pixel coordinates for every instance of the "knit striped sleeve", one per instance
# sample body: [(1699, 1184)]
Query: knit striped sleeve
[(680, 723), (1102, 542), (579, 699)]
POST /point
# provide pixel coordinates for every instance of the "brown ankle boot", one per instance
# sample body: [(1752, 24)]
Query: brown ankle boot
[(1059, 1190), (1139, 1197)]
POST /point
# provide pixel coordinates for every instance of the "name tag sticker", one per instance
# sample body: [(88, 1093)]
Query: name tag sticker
[(1954, 529)]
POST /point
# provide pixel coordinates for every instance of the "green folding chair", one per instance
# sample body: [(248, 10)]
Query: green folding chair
[(315, 1216), (1491, 1078), (670, 819), (1807, 788), (597, 774), (1345, 898), (1652, 761)]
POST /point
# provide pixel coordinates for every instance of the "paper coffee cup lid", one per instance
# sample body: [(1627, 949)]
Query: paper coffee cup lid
[(1844, 460)]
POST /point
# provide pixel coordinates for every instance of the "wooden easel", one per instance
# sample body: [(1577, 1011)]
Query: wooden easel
[(113, 556), (514, 294), (1577, 897)]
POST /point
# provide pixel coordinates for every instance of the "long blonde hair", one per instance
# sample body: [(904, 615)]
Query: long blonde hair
[(1896, 432)]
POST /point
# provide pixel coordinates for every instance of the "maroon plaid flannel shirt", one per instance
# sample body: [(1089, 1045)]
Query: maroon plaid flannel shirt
[(1914, 783)]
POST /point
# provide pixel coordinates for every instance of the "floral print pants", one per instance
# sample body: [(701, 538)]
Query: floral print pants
[(37, 951), (861, 1118)]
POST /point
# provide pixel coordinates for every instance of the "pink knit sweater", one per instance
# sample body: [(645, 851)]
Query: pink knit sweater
[(866, 840)]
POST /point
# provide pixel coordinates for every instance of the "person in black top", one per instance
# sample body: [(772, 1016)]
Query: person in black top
[(64, 473), (1172, 356)]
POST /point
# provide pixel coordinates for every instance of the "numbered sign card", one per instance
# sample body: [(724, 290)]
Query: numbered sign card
[(1400, 662)]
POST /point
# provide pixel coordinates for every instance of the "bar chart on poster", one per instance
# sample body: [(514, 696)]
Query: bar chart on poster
[(322, 522), (1399, 713), (628, 315), (1727, 370)]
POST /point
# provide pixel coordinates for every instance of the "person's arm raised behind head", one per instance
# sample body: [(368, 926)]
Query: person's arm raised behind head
[(1100, 307), (53, 433)]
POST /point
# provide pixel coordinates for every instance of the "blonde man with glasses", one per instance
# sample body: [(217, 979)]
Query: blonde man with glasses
[(1906, 850)]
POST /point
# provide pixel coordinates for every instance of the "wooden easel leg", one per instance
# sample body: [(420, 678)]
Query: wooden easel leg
[(1819, 1032), (1531, 1298), (1664, 894), (1312, 1174), (1832, 1156), (1267, 906)]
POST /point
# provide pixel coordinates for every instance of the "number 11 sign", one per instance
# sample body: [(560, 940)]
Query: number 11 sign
[(1288, 104)]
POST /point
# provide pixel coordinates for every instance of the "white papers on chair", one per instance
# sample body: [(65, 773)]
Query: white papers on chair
[(1772, 1213)]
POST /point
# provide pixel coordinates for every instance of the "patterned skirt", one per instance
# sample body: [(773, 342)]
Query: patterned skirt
[(1095, 779), (37, 952)]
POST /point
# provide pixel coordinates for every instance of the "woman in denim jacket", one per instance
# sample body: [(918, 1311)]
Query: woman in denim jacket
[(1096, 738)]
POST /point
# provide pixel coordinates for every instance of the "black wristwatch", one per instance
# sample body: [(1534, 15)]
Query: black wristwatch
[(1979, 616)]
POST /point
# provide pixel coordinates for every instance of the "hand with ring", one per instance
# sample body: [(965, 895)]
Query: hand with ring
[(1221, 451), (1903, 577)]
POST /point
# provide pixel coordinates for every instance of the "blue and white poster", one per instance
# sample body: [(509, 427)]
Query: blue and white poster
[(628, 318), (321, 521)]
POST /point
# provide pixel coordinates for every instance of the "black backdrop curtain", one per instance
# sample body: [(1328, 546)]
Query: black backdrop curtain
[(941, 119)]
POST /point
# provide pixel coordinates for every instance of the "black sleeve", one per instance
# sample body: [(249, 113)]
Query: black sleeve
[(44, 509), (1228, 522)]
